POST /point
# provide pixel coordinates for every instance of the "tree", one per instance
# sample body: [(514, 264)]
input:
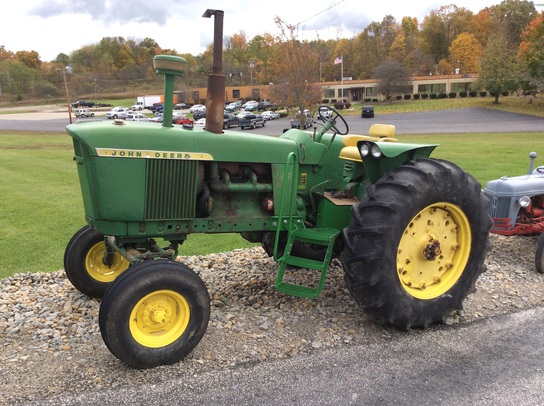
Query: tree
[(296, 71), (393, 78), (29, 58), (499, 70), (531, 52), (513, 16), (465, 53)]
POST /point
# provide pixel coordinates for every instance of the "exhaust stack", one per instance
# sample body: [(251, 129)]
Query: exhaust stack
[(216, 80)]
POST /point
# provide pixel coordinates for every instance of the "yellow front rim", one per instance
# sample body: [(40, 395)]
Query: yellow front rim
[(434, 250), (94, 263), (159, 319)]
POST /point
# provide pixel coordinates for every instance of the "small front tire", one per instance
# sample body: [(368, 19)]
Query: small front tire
[(155, 314), (84, 263)]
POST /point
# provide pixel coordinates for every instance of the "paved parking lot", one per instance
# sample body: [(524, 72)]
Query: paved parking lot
[(430, 122)]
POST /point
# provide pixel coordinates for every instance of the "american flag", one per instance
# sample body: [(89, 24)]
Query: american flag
[(338, 60)]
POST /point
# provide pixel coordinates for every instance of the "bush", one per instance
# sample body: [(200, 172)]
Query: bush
[(333, 101), (505, 93), (483, 93), (417, 96), (407, 96), (452, 95), (339, 105), (367, 99), (424, 96), (473, 93), (325, 101), (442, 95), (433, 96), (374, 100), (462, 93), (398, 96), (347, 105)]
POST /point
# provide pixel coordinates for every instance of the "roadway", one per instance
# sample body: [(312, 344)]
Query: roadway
[(477, 120), (497, 361)]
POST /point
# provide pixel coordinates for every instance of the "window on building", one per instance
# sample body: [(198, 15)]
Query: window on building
[(329, 93), (460, 87), (196, 97), (432, 88), (235, 94)]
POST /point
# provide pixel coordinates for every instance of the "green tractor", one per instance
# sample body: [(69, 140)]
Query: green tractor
[(411, 231)]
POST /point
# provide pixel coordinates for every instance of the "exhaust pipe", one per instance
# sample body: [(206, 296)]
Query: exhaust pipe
[(215, 101)]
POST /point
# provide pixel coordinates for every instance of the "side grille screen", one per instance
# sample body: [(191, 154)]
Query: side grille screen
[(171, 189)]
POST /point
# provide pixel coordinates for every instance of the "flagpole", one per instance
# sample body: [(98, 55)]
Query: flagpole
[(342, 73)]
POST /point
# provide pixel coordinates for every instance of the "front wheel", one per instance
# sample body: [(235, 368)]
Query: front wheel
[(155, 314), (417, 243), (89, 265)]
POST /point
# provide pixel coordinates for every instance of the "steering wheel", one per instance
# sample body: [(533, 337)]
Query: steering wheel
[(324, 111)]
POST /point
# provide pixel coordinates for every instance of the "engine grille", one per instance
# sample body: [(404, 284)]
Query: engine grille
[(500, 206), (171, 189)]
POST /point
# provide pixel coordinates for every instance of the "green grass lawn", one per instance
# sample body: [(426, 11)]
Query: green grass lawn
[(42, 206)]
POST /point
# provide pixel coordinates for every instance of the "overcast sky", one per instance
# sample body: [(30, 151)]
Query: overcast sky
[(51, 27)]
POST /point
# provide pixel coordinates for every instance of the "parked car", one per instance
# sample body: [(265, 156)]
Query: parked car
[(200, 122), (251, 121), (181, 106), (234, 106), (82, 113), (118, 112), (197, 107), (230, 120), (265, 105), (197, 115), (133, 116), (308, 120), (324, 112), (242, 114), (251, 105), (270, 115), (157, 107), (367, 112), (83, 103), (182, 119)]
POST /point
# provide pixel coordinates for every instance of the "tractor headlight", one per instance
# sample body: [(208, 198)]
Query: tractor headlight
[(524, 201), (365, 150), (375, 151)]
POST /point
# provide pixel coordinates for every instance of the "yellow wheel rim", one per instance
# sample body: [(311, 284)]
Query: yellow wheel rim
[(434, 250), (159, 319), (94, 263)]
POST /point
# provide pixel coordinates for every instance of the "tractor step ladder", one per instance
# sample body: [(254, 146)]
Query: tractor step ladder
[(319, 236)]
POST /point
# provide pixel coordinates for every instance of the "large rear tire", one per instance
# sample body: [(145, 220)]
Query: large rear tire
[(85, 266), (154, 314), (417, 243)]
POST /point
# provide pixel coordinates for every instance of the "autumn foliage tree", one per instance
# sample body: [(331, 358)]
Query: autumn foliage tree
[(531, 51), (465, 53)]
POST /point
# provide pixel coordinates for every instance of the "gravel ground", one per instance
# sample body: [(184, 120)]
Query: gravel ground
[(51, 344)]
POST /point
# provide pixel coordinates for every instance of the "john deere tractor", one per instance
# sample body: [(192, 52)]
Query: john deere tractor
[(411, 231)]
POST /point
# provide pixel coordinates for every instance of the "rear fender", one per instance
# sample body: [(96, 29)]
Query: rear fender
[(389, 155)]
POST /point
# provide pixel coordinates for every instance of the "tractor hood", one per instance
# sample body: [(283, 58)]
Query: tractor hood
[(149, 140)]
